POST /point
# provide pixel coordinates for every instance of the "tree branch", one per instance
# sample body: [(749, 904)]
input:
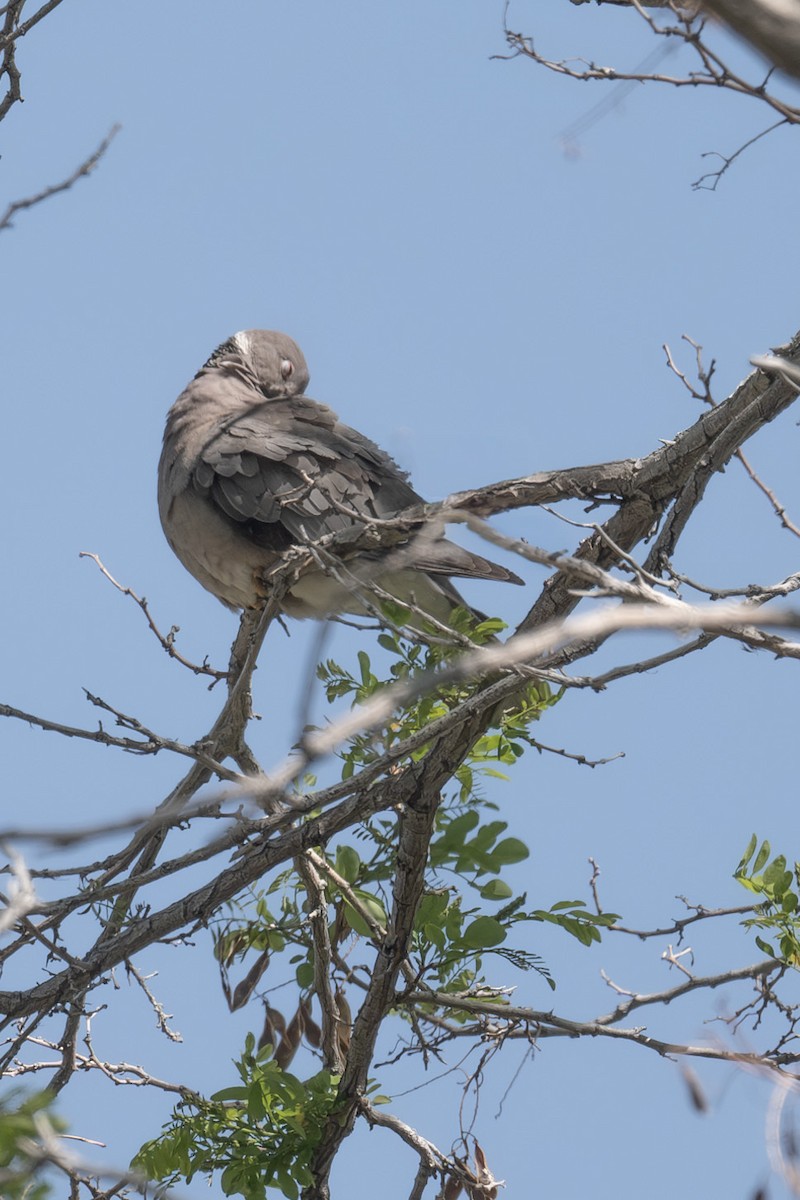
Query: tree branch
[(415, 830), (85, 168)]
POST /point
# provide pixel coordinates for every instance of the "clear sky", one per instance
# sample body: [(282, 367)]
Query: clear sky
[(365, 177)]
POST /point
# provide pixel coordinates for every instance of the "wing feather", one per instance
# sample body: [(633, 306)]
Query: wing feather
[(288, 471)]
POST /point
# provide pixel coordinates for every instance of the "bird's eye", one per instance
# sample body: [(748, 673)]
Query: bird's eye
[(287, 368)]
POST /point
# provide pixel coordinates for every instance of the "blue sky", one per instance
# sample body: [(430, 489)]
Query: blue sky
[(368, 179)]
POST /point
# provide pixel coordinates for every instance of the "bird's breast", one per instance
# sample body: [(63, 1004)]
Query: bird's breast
[(224, 561)]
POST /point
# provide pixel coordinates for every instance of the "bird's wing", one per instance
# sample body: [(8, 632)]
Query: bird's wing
[(288, 472)]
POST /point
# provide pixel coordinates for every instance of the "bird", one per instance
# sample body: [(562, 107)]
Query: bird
[(252, 467)]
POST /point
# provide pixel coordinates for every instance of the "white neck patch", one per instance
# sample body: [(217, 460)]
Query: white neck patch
[(243, 342)]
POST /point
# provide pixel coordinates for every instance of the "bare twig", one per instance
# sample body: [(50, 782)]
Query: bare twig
[(150, 743), (714, 177), (162, 1018), (166, 641), (778, 366), (517, 1022), (85, 168), (682, 27), (679, 925)]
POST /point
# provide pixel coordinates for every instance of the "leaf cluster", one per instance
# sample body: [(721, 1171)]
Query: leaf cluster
[(260, 1134), (778, 913), (21, 1159), (410, 659)]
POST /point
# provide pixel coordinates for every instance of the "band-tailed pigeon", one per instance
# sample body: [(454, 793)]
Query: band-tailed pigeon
[(251, 466)]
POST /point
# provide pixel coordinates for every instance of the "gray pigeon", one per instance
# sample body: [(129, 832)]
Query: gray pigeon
[(251, 467)]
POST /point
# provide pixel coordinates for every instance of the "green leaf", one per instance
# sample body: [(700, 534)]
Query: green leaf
[(456, 832), (348, 864), (394, 612), (275, 940), (373, 907), (488, 834), (432, 907), (748, 854), (776, 877), (749, 884), (761, 857), (255, 1102), (288, 1186), (231, 1093), (304, 975), (435, 935), (484, 932), (490, 626), (510, 850), (496, 889)]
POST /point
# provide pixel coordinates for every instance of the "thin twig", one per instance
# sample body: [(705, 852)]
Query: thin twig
[(85, 168), (166, 641)]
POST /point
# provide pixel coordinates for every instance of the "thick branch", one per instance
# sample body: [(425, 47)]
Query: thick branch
[(416, 829)]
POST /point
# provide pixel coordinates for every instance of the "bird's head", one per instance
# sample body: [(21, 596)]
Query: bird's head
[(271, 361)]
